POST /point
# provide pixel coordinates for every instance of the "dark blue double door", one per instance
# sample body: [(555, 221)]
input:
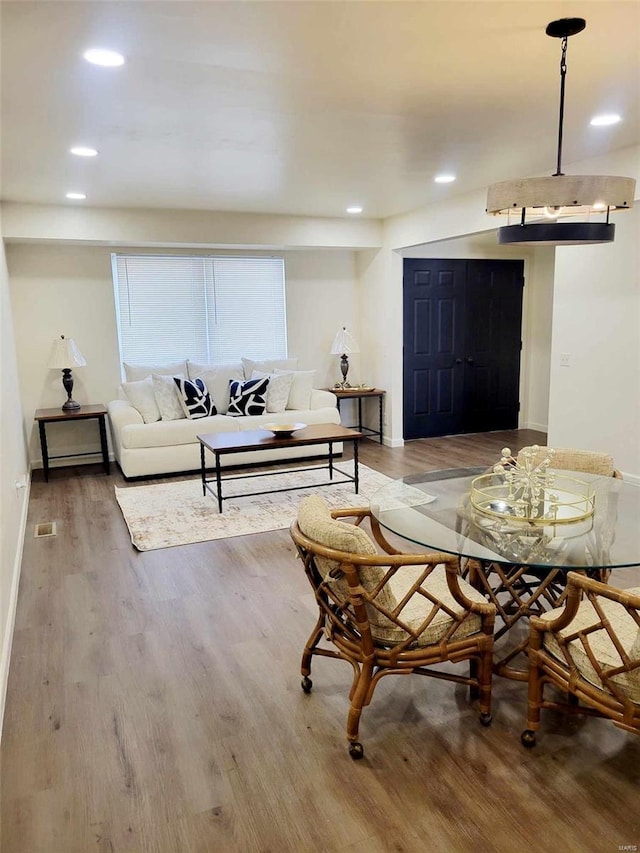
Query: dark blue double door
[(462, 345)]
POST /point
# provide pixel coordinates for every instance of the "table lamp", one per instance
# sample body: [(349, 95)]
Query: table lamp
[(344, 344), (65, 355)]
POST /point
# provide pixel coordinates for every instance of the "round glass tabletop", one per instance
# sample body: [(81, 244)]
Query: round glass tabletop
[(435, 510)]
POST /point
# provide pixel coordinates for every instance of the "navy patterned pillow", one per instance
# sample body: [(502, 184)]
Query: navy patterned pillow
[(195, 398), (248, 398)]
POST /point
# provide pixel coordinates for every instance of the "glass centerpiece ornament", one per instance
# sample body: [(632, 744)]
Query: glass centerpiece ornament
[(528, 489)]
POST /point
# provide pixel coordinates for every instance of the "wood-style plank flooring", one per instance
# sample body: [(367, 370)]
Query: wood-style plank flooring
[(154, 706)]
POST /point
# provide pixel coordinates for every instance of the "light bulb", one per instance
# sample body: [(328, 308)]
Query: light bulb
[(552, 212)]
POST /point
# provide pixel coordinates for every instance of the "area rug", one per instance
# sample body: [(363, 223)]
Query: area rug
[(170, 514)]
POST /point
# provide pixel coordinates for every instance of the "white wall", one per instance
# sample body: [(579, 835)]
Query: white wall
[(67, 289), (13, 469), (595, 402)]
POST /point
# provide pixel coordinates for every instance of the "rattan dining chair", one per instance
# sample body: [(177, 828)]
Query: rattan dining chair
[(388, 613), (571, 459), (590, 650)]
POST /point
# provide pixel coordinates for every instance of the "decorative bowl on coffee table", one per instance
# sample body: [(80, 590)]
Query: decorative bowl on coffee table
[(283, 430)]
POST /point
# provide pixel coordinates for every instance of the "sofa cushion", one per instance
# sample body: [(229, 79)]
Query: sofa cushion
[(248, 398), (268, 365), (164, 388), (168, 434), (278, 390), (134, 372), (301, 387), (195, 398), (217, 377), (140, 395)]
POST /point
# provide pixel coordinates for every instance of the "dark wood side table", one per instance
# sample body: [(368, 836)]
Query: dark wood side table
[(361, 394), (48, 416)]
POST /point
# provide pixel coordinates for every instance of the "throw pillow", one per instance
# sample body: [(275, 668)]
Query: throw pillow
[(140, 395), (135, 372), (248, 398), (216, 377), (167, 398), (301, 387), (195, 398), (278, 390), (268, 365)]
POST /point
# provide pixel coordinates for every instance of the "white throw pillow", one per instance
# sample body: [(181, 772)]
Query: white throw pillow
[(278, 390), (166, 392), (140, 395), (217, 377), (134, 372), (268, 365), (301, 387)]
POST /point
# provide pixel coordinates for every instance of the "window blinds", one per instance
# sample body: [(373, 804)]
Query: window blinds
[(209, 309)]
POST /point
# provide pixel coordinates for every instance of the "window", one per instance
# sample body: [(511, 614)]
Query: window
[(209, 309)]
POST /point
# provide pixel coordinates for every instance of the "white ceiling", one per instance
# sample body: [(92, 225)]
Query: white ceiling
[(304, 107)]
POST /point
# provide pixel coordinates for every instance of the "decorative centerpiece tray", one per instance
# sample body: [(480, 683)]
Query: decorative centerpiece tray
[(530, 491)]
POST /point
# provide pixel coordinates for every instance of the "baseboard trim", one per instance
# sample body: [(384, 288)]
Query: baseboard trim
[(5, 659), (393, 442), (536, 427)]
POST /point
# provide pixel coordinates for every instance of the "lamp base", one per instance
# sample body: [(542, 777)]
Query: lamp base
[(69, 405)]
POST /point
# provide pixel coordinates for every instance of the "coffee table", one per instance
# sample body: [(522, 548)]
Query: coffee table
[(225, 443)]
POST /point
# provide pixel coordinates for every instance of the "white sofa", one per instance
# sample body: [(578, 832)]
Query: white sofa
[(170, 446)]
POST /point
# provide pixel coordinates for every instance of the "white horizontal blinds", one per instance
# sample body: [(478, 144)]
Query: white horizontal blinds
[(204, 308), (161, 302), (247, 306)]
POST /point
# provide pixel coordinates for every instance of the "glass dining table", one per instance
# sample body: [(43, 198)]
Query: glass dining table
[(518, 564)]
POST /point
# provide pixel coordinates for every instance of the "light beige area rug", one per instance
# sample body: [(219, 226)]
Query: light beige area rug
[(169, 514)]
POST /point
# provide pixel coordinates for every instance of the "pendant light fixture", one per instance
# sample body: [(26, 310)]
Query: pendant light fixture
[(550, 198)]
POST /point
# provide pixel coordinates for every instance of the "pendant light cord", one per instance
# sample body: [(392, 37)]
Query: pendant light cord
[(563, 74)]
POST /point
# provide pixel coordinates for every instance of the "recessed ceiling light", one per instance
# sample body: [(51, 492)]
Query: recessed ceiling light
[(444, 179), (102, 56), (76, 196), (605, 119), (354, 209), (83, 151)]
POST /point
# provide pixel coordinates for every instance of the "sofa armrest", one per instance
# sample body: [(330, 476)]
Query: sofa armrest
[(122, 413), (321, 399)]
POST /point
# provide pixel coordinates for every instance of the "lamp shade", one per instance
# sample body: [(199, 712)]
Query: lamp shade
[(65, 353), (344, 343)]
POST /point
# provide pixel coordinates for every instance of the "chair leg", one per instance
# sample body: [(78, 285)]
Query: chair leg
[(358, 698), (474, 689), (534, 703), (485, 674), (312, 642)]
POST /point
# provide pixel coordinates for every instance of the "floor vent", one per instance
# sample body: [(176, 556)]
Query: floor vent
[(47, 528)]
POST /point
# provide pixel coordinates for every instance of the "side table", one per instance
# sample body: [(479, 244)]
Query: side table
[(48, 416), (361, 394)]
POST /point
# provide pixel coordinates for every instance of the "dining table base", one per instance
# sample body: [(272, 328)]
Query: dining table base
[(517, 593)]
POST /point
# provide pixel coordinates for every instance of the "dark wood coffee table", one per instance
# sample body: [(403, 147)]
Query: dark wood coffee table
[(223, 443)]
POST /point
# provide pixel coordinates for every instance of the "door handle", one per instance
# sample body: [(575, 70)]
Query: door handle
[(470, 360), (458, 361)]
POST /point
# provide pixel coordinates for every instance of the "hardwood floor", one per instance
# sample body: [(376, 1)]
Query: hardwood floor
[(154, 705)]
